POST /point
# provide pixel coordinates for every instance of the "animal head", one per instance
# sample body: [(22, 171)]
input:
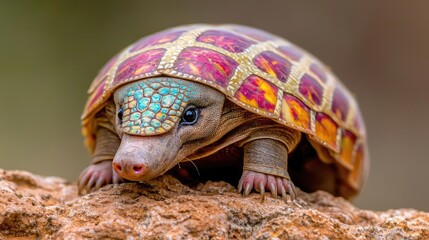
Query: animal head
[(161, 121)]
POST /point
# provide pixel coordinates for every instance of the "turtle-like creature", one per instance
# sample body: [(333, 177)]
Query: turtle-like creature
[(231, 101)]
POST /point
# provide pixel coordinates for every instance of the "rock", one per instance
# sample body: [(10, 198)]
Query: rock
[(48, 207)]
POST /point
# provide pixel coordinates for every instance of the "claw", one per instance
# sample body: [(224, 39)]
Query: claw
[(293, 193), (99, 183), (284, 195), (90, 184), (95, 176), (273, 189), (83, 182), (262, 191), (247, 189), (282, 189), (261, 182), (290, 188), (240, 185)]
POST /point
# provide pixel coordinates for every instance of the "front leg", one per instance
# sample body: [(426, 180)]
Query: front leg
[(96, 176), (100, 172), (265, 168)]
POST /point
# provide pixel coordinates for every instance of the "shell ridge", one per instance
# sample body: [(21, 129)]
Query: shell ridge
[(328, 94)]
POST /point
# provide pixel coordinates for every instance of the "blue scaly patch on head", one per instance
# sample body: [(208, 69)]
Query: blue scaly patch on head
[(154, 106)]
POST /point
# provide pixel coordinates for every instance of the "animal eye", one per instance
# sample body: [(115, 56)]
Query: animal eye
[(190, 116), (120, 114)]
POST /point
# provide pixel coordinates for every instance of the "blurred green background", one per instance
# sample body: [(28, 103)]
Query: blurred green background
[(51, 50)]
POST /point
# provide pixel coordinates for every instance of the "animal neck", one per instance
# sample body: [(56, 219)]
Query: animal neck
[(238, 126)]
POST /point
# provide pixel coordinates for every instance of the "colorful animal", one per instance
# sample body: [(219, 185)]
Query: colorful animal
[(233, 100)]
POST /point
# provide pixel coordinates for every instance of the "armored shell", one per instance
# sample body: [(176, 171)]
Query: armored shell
[(260, 72)]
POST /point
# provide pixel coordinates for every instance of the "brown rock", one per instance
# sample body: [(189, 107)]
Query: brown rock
[(47, 207)]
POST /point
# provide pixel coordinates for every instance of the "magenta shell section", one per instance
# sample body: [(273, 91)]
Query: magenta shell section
[(158, 38), (228, 41), (207, 64), (273, 64), (340, 103), (96, 96), (258, 92), (311, 89), (143, 63)]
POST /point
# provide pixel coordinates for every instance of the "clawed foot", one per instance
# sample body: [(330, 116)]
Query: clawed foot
[(261, 182), (96, 176)]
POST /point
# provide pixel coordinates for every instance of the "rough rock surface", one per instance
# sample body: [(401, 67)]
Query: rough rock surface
[(37, 207)]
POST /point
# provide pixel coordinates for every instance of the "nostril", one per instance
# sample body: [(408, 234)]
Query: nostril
[(117, 167), (138, 168)]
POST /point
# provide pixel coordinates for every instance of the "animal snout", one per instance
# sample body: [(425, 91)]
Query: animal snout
[(130, 171)]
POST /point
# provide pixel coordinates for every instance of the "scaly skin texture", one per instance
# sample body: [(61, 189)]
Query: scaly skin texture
[(154, 106), (147, 151)]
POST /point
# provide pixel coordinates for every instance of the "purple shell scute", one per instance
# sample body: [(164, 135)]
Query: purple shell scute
[(311, 89), (273, 64), (158, 38), (340, 103), (207, 64), (228, 41), (142, 63)]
